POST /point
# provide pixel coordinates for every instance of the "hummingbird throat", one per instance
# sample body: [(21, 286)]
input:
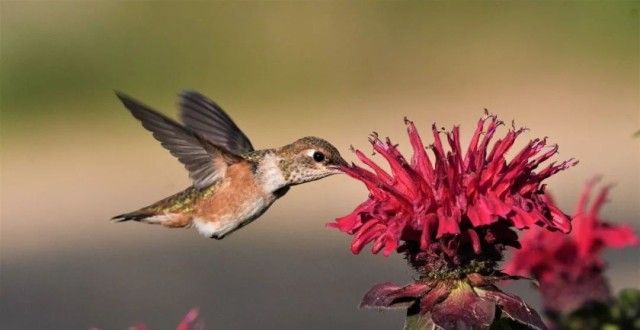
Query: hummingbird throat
[(270, 174)]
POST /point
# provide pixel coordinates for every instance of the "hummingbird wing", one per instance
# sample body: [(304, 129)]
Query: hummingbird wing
[(205, 162), (207, 118)]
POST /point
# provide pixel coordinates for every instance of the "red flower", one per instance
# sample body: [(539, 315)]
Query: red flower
[(452, 218), (424, 201), (190, 321), (569, 267)]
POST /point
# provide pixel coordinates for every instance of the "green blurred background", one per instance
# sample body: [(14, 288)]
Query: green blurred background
[(72, 157)]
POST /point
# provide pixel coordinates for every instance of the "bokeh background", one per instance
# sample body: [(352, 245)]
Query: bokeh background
[(72, 157)]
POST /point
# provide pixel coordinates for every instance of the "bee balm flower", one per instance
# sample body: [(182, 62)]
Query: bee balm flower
[(569, 267), (452, 215)]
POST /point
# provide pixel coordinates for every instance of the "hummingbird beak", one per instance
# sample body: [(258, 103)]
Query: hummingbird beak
[(338, 165)]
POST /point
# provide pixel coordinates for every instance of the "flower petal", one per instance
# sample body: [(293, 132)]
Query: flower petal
[(190, 321)]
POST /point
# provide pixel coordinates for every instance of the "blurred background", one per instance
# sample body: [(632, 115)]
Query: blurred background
[(72, 156)]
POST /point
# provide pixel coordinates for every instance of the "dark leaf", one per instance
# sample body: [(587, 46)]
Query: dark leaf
[(391, 296), (436, 295), (513, 307), (463, 309)]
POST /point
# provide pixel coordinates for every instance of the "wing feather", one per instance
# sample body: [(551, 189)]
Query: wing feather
[(207, 118), (205, 162)]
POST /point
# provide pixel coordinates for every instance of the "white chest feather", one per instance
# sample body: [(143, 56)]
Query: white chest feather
[(270, 175)]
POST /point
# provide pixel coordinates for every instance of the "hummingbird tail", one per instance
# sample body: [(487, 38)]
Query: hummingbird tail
[(171, 220), (135, 216)]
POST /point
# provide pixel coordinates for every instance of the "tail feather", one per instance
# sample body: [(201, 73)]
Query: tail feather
[(135, 216), (169, 211)]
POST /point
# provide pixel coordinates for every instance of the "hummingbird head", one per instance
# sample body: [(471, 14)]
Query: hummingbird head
[(308, 159)]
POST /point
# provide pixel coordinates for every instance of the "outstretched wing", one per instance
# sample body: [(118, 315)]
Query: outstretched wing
[(206, 118), (205, 162)]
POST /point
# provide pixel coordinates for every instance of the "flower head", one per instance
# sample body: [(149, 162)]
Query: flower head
[(569, 267), (452, 215), (474, 197)]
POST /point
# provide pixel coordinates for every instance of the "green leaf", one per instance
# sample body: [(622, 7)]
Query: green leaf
[(417, 321)]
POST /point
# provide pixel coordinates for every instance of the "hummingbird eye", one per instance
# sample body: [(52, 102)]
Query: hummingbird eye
[(318, 156)]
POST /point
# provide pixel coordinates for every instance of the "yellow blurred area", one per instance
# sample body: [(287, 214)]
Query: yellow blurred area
[(72, 156)]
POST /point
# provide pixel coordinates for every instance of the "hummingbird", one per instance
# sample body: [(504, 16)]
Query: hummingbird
[(232, 183)]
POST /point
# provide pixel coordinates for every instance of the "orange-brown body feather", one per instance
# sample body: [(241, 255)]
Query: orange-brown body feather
[(232, 192), (233, 201)]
